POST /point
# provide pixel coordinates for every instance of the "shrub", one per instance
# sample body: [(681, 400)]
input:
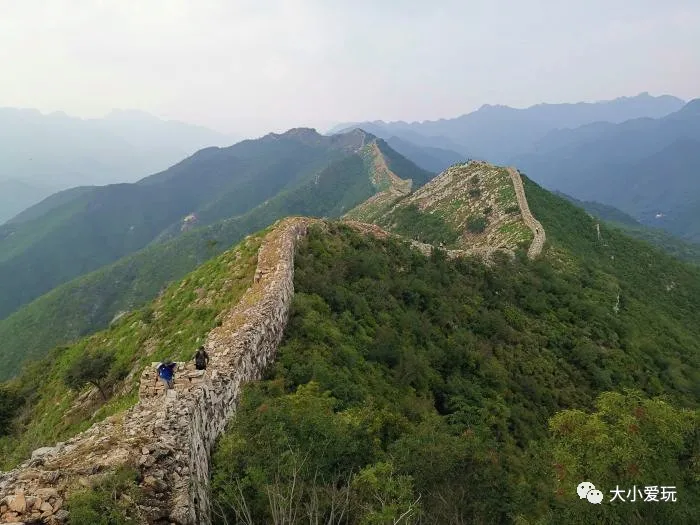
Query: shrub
[(476, 223), (113, 501), (9, 402)]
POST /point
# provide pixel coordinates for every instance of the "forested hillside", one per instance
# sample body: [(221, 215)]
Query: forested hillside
[(44, 153), (405, 381), (82, 230), (81, 306), (686, 251), (455, 392)]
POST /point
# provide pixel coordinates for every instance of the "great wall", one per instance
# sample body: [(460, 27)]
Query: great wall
[(169, 436), (537, 229)]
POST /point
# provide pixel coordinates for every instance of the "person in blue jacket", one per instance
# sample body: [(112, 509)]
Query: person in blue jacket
[(166, 373)]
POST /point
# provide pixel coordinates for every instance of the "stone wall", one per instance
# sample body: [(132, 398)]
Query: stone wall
[(538, 232), (168, 436)]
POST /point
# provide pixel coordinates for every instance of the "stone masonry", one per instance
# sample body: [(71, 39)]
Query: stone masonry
[(169, 436)]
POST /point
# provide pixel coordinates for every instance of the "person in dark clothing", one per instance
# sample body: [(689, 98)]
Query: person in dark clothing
[(166, 373), (201, 359)]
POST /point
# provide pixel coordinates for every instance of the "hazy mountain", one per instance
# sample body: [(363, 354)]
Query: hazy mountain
[(47, 153), (500, 133), (648, 168), (16, 195), (300, 171), (427, 157)]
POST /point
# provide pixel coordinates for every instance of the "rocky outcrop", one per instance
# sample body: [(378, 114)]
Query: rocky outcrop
[(169, 436)]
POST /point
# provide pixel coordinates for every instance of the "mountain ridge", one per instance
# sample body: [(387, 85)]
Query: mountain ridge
[(91, 301), (644, 167), (572, 248), (499, 134)]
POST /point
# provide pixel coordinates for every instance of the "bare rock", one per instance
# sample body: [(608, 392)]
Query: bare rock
[(17, 503), (44, 451)]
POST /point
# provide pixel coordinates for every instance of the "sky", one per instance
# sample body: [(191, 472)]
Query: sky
[(252, 66)]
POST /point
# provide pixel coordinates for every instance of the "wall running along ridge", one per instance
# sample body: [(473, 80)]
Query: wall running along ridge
[(529, 219), (169, 437)]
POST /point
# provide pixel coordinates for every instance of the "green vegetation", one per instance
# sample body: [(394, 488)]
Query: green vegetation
[(46, 410), (80, 307), (518, 232), (91, 368), (112, 501), (629, 441), (464, 198), (506, 196), (430, 228), (476, 223), (84, 305), (8, 408), (81, 231), (686, 251), (457, 392)]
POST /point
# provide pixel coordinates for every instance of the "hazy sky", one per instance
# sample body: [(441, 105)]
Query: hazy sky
[(251, 66)]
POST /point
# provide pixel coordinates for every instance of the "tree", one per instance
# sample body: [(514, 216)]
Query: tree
[(90, 368), (8, 406), (629, 441)]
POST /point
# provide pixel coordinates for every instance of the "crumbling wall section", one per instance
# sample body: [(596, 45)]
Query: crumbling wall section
[(168, 436)]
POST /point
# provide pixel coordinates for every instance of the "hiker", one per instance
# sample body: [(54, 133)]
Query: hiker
[(201, 359), (166, 373)]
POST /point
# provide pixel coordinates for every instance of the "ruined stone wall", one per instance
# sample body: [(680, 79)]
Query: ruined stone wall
[(539, 236), (169, 436)]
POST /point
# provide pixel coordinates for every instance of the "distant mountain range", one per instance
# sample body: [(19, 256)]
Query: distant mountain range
[(41, 154), (235, 190), (648, 168), (500, 133), (639, 154)]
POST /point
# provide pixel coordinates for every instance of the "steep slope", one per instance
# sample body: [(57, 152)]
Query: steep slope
[(424, 377), (81, 306), (54, 152), (84, 230), (471, 206), (16, 195), (645, 167), (685, 251), (172, 326), (501, 133), (421, 376)]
